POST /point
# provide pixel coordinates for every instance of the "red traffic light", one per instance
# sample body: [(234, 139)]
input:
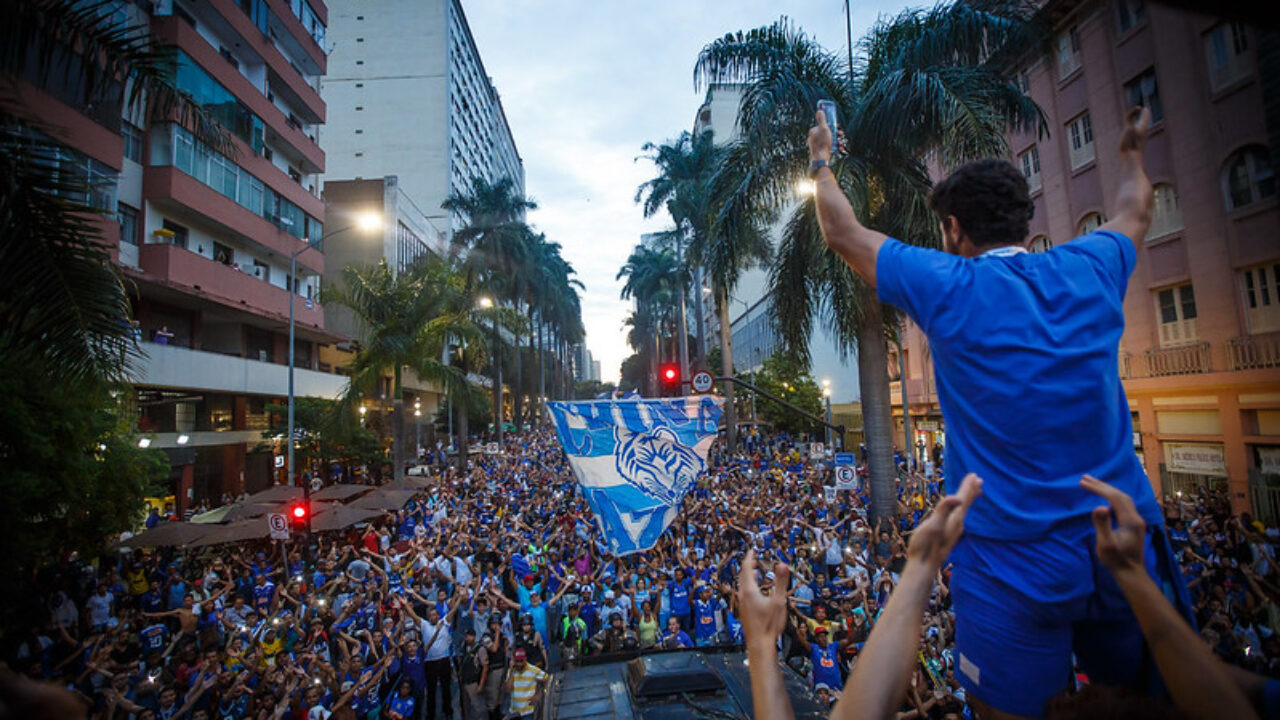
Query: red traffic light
[(299, 512), (669, 374)]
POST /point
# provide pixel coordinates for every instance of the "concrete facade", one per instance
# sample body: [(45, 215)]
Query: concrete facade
[(410, 97), (1200, 356), (205, 238)]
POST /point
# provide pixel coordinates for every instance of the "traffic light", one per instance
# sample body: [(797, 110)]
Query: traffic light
[(298, 515), (670, 376)]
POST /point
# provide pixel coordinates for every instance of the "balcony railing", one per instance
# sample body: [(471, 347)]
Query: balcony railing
[(1184, 360), (1254, 352)]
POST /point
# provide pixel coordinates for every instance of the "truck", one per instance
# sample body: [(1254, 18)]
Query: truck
[(667, 685)]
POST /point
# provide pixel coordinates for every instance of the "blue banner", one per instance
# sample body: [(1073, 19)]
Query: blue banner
[(635, 460)]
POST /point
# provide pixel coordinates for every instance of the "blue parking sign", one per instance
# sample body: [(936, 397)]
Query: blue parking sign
[(844, 458)]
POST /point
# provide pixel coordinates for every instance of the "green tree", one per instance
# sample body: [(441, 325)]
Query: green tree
[(71, 473), (927, 83), (407, 320), (785, 377), (322, 435)]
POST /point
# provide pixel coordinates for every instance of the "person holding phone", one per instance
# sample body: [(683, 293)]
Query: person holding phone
[(1025, 352)]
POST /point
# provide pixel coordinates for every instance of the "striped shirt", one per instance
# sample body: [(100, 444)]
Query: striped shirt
[(524, 685)]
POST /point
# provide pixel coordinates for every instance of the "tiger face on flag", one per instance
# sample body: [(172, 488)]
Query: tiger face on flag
[(635, 460)]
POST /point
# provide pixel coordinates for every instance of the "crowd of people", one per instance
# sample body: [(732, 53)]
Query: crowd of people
[(491, 580)]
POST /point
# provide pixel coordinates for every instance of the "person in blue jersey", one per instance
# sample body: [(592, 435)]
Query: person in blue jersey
[(706, 610), (675, 637), (824, 655), (1025, 353), (264, 595), (680, 606)]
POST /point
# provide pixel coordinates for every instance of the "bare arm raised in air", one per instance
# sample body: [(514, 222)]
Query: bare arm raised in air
[(886, 664), (1134, 197), (855, 243), (1201, 684)]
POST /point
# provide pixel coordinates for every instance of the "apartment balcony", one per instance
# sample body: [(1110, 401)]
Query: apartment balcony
[(1189, 359), (915, 392), (302, 94), (1254, 352), (172, 366), (181, 269)]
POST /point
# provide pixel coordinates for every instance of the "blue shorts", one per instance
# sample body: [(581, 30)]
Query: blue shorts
[(1024, 608)]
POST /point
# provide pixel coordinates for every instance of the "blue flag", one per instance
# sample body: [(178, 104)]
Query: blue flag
[(635, 460)]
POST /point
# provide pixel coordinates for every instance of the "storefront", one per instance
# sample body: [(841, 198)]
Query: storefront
[(1191, 466)]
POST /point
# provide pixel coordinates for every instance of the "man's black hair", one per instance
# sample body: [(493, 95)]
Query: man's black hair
[(989, 197)]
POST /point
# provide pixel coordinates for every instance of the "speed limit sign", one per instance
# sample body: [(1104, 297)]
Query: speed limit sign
[(701, 381)]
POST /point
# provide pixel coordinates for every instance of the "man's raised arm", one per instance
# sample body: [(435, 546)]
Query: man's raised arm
[(856, 244), (1134, 198)]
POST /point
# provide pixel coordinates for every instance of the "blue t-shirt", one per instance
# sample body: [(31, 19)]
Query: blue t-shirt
[(1025, 352), (826, 668)]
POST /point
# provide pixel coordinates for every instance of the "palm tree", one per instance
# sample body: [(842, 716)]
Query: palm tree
[(927, 84), (495, 245), (406, 320), (655, 279), (64, 306)]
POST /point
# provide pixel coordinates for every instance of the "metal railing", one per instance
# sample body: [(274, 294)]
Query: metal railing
[(1254, 352), (1184, 360), (1126, 365)]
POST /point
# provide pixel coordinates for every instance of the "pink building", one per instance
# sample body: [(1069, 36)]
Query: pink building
[(1200, 355)]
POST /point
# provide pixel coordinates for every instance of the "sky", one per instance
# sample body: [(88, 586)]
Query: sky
[(585, 84)]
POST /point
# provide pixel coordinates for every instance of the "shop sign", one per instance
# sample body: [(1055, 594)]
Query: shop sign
[(928, 425), (1197, 459)]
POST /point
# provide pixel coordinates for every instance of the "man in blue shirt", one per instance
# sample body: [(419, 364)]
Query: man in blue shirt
[(1025, 353)]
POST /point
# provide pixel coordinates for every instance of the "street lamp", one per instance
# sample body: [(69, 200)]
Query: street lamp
[(485, 302), (826, 394), (366, 222)]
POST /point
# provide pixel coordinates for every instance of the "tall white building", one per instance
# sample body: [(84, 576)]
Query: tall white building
[(408, 96), (753, 335)]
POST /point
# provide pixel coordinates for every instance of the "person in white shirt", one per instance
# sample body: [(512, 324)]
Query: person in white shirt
[(99, 606)]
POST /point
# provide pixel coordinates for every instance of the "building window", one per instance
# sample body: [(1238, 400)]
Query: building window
[(176, 234), (1131, 13), (1089, 223), (132, 135), (1176, 310), (128, 219), (1080, 141), (1249, 177), (1039, 244), (1226, 49), (1068, 51), (1143, 91), (1166, 215), (1030, 161), (1262, 298)]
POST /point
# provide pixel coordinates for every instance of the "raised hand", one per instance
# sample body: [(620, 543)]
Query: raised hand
[(820, 139), (1137, 122), (1121, 547), (763, 616)]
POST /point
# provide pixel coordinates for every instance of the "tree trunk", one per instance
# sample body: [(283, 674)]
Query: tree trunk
[(497, 384), (397, 428), (726, 369), (464, 435), (877, 413), (517, 399), (701, 360), (542, 362)]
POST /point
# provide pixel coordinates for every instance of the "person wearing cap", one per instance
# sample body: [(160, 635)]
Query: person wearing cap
[(706, 610), (573, 633), (473, 670), (495, 645), (823, 653), (614, 638), (526, 684)]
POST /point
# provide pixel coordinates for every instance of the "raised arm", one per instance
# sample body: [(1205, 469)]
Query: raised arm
[(1201, 685), (856, 244), (763, 619), (885, 667), (1134, 197)]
